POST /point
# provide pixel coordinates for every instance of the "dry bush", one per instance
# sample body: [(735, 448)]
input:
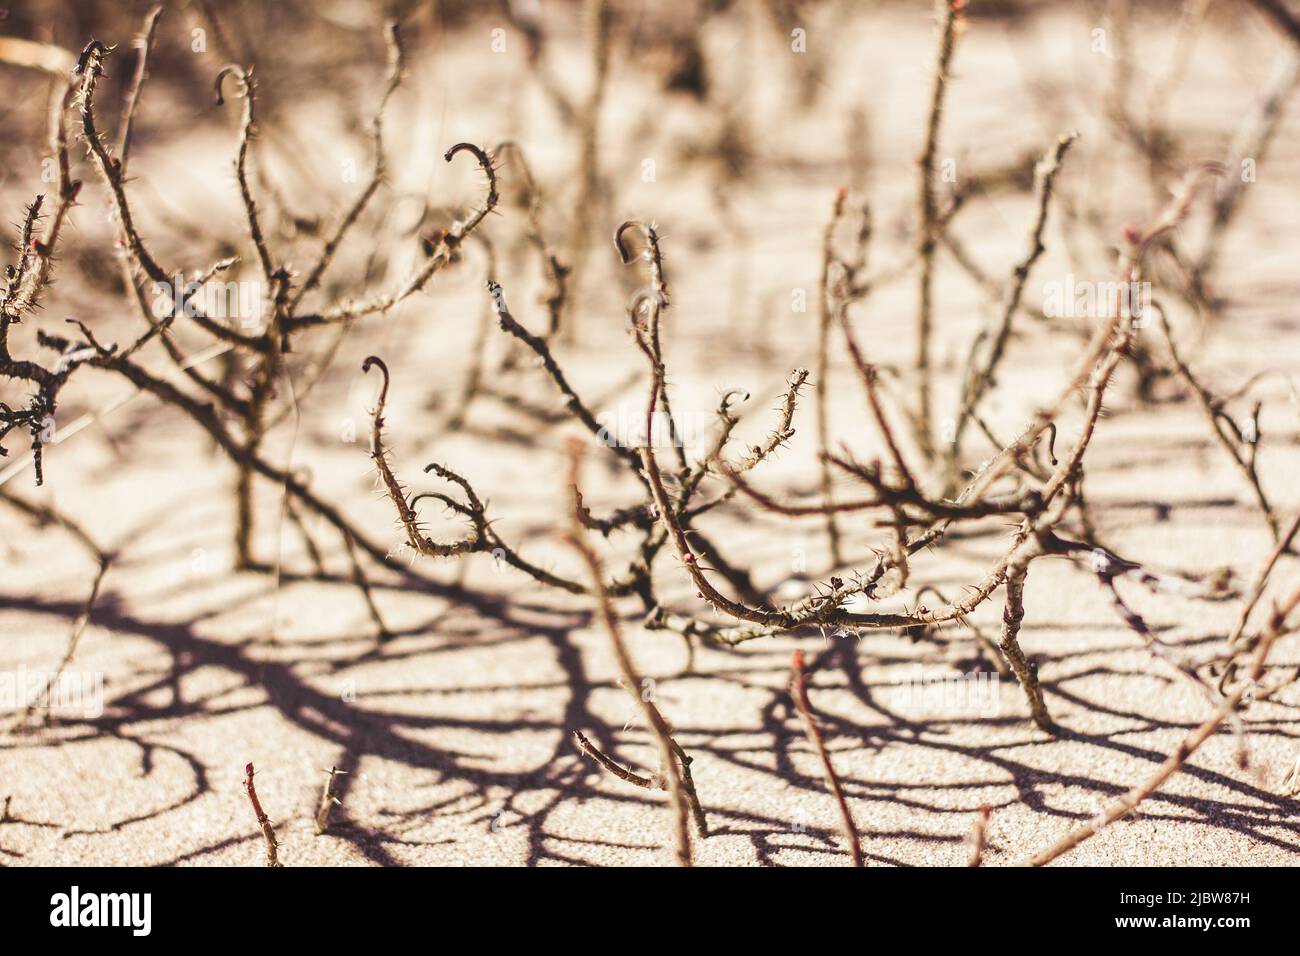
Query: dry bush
[(650, 554)]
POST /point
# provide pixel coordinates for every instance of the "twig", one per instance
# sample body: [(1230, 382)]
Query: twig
[(1012, 616), (1261, 579), (557, 273), (609, 764), (1251, 142), (103, 558), (540, 347), (263, 824), (799, 692), (669, 752), (393, 40), (328, 801), (823, 369), (145, 44), (981, 376), (74, 639), (654, 302), (1127, 802), (598, 19), (927, 229), (382, 633), (481, 536), (1214, 412), (449, 242), (977, 835)]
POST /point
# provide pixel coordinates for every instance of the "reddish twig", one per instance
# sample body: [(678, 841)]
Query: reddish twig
[(978, 833), (263, 823), (1127, 802), (799, 692)]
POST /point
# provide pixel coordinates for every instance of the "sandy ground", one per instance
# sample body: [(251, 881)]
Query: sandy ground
[(457, 733)]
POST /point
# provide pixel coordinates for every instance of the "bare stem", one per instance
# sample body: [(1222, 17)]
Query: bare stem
[(1012, 616), (263, 823), (927, 235), (328, 800), (1127, 802), (799, 692)]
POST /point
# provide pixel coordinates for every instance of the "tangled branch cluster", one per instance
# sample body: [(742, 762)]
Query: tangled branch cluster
[(909, 501)]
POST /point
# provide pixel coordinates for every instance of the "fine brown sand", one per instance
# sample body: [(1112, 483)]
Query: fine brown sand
[(457, 733)]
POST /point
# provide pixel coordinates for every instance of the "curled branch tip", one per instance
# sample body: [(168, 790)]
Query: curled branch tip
[(371, 362), (479, 154), (91, 53), (641, 297), (623, 227), (225, 71)]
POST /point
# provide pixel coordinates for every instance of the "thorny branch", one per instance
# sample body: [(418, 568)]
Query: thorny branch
[(1127, 802), (908, 503), (674, 763), (799, 693), (263, 823)]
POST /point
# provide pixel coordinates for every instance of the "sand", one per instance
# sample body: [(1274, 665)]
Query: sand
[(456, 734)]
